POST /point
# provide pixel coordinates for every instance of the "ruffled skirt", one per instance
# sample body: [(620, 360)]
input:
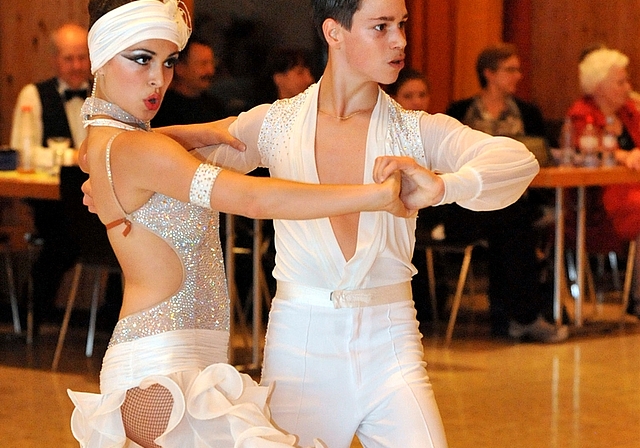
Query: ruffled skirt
[(214, 406)]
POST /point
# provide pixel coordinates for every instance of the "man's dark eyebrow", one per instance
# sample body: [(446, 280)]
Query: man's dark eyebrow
[(388, 18)]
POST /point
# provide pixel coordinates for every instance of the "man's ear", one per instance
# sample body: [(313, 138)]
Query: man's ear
[(331, 30)]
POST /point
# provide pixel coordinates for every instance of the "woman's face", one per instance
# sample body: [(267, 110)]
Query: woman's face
[(413, 95), (613, 91), (137, 78)]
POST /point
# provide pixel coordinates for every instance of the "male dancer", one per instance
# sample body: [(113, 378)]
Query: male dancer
[(343, 350)]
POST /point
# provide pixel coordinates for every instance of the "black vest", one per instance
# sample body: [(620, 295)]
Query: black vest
[(54, 117)]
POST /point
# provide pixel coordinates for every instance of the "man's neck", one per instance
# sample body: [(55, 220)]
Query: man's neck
[(341, 97)]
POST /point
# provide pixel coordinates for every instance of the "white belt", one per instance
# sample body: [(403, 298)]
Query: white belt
[(344, 298)]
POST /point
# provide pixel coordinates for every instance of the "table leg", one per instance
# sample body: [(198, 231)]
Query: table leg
[(580, 254), (558, 271)]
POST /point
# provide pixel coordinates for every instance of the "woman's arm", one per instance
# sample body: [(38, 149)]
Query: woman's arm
[(152, 162)]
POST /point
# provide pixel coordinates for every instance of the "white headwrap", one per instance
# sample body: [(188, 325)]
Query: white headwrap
[(134, 22)]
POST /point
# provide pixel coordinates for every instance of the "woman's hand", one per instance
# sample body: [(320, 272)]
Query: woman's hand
[(396, 206), (193, 136), (420, 186)]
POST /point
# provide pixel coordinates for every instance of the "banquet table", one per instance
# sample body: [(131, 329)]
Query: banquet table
[(37, 185), (562, 177)]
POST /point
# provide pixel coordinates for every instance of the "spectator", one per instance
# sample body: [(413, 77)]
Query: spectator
[(287, 73), (411, 90), (56, 104), (608, 104), (188, 99), (517, 301)]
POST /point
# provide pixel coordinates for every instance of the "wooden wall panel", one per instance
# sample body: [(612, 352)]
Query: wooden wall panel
[(444, 38)]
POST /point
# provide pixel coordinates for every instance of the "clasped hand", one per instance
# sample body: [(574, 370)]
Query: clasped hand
[(420, 187)]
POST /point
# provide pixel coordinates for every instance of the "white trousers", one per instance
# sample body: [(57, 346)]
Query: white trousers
[(346, 371)]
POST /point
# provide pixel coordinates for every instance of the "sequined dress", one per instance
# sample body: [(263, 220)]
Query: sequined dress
[(180, 344)]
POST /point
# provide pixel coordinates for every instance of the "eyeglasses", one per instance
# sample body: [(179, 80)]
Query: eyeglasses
[(510, 69)]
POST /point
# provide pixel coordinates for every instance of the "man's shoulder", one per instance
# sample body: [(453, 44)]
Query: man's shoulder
[(457, 109)]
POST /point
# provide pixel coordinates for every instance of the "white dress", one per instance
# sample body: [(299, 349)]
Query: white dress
[(180, 344)]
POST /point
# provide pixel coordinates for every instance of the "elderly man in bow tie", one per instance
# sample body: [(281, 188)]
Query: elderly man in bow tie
[(56, 104), (56, 101)]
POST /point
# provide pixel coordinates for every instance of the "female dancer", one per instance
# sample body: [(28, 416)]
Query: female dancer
[(164, 380)]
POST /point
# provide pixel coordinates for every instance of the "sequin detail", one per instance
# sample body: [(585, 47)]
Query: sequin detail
[(403, 132), (202, 184), (95, 106), (202, 301)]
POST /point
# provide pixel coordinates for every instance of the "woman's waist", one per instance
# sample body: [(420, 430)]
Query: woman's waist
[(128, 363)]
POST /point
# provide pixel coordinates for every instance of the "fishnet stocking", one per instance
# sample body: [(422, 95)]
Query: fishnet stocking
[(145, 414)]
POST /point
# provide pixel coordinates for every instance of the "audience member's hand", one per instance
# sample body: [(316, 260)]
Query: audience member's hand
[(204, 134), (420, 186), (87, 199), (631, 159)]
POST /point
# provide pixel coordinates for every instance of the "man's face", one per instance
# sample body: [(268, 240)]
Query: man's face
[(71, 60), (507, 76), (374, 46), (196, 70)]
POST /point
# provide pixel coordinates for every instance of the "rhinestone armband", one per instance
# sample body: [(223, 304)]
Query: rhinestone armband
[(202, 183)]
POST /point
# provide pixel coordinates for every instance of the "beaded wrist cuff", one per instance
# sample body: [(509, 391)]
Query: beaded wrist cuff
[(202, 184)]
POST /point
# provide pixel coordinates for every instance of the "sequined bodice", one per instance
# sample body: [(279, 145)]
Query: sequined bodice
[(201, 302)]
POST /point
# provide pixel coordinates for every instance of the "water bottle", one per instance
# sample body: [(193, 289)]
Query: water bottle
[(588, 145), (566, 143), (27, 143), (609, 144)]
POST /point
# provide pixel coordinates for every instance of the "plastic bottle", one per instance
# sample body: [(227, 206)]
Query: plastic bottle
[(609, 144), (27, 143), (588, 144), (566, 143)]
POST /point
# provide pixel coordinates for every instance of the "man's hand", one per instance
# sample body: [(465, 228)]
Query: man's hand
[(88, 199), (420, 187), (395, 206), (193, 136)]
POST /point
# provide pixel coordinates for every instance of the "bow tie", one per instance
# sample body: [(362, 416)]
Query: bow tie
[(80, 93)]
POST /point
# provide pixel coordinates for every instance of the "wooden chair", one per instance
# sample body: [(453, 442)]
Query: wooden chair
[(5, 249), (429, 245)]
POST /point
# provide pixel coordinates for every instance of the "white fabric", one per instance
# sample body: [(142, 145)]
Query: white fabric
[(362, 372), (213, 405), (29, 96), (135, 22), (480, 172), (363, 366), (344, 298)]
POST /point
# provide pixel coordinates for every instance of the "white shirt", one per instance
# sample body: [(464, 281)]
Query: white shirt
[(29, 96), (480, 172)]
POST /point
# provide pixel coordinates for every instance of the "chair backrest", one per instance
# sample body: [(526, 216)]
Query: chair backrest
[(86, 229), (538, 146)]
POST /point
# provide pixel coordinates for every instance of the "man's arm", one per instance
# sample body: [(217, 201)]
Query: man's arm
[(193, 136)]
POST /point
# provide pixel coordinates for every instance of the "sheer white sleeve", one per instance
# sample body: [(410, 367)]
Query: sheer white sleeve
[(480, 172), (247, 129), (202, 184)]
